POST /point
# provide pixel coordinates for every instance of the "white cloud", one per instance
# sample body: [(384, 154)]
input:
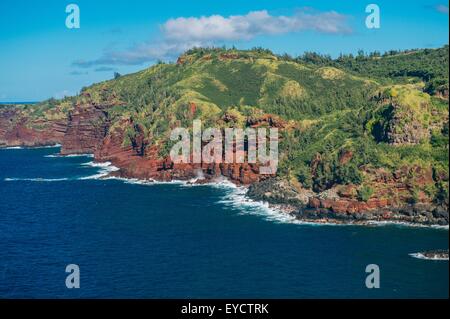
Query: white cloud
[(138, 54), (182, 33), (246, 27)]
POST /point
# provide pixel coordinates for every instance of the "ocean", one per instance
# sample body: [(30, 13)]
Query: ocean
[(173, 240)]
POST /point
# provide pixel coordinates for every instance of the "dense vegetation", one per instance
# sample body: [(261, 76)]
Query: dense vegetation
[(389, 111), (393, 66)]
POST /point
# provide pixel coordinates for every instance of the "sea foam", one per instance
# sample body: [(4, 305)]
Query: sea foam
[(105, 169), (29, 147), (422, 256), (405, 224), (70, 155), (37, 179), (235, 198)]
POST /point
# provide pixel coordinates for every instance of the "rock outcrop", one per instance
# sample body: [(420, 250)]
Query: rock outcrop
[(87, 126), (329, 165), (391, 199), (17, 130), (141, 162), (403, 127), (87, 130)]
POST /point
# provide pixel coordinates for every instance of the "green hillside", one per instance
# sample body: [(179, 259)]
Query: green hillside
[(428, 65), (387, 111)]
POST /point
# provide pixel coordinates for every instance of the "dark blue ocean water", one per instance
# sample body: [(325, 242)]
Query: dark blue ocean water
[(171, 240)]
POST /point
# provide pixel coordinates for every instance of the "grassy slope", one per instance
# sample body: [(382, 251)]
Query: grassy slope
[(331, 106)]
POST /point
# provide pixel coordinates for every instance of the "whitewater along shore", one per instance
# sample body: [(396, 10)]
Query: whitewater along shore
[(332, 207), (304, 206), (86, 132)]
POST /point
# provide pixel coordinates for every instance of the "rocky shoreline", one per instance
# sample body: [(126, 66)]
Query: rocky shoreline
[(438, 254), (87, 129), (308, 206), (305, 206), (369, 218), (411, 215)]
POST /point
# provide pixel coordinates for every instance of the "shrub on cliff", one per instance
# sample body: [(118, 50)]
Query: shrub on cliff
[(364, 193), (325, 106)]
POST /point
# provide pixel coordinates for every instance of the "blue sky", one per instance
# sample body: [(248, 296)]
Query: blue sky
[(41, 58)]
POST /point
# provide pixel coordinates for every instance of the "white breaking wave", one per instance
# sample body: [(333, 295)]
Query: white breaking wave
[(406, 224), (70, 155), (12, 148), (235, 196), (236, 199), (97, 164), (29, 147), (131, 180), (105, 169), (422, 256), (146, 182), (48, 146), (199, 176), (38, 179), (219, 182)]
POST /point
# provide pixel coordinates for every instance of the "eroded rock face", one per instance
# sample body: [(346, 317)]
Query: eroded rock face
[(268, 119), (403, 128), (278, 191), (87, 130), (141, 162), (16, 130), (442, 92), (391, 199), (345, 205), (429, 215), (87, 126)]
